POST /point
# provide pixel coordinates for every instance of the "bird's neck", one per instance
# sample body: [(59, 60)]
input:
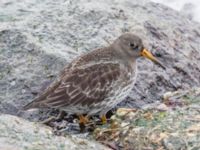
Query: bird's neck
[(124, 59)]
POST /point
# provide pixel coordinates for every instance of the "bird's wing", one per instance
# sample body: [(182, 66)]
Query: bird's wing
[(81, 86)]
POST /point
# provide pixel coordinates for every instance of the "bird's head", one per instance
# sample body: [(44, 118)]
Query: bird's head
[(131, 45)]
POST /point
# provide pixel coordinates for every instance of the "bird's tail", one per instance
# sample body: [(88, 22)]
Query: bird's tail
[(39, 101), (36, 103), (30, 105)]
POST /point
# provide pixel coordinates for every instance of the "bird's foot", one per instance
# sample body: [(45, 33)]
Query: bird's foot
[(83, 120), (103, 119)]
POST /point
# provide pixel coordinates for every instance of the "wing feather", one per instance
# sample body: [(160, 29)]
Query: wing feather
[(82, 86)]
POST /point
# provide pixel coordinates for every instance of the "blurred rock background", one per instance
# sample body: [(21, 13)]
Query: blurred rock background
[(190, 8), (37, 38)]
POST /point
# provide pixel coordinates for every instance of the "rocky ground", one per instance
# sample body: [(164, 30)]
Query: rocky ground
[(37, 38), (173, 124), (20, 134)]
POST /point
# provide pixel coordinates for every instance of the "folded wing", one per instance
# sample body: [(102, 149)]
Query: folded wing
[(81, 86)]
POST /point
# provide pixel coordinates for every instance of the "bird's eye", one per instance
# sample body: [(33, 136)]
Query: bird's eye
[(133, 46)]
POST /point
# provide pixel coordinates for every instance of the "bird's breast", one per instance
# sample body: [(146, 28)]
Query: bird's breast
[(123, 86)]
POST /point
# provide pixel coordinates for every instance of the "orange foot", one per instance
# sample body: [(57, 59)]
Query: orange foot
[(104, 119)]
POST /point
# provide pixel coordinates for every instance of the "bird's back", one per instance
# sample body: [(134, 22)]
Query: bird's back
[(85, 81)]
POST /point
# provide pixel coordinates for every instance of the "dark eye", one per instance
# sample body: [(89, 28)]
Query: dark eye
[(133, 46)]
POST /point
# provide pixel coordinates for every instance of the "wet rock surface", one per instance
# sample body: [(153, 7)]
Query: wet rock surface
[(37, 38), (20, 134)]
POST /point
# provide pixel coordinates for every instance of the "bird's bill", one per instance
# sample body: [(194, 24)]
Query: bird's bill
[(148, 55)]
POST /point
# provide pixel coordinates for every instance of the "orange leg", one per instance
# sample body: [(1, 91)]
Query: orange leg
[(104, 119), (83, 119)]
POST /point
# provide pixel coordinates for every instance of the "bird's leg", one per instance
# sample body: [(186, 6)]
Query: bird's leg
[(103, 119), (53, 118), (83, 120)]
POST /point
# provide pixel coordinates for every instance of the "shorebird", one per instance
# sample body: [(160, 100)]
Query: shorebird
[(95, 82)]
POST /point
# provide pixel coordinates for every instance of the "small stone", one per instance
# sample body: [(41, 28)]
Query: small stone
[(124, 111), (162, 107), (12, 83), (173, 142), (167, 95)]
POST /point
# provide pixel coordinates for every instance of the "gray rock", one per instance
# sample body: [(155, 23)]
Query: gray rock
[(188, 10), (37, 38), (19, 134), (174, 143)]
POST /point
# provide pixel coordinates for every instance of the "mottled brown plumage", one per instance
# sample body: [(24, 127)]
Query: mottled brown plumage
[(97, 81)]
